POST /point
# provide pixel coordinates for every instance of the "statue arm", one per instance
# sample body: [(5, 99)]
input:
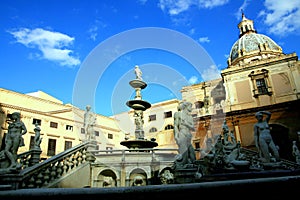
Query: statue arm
[(268, 115), (94, 119), (24, 129), (256, 136), (176, 123)]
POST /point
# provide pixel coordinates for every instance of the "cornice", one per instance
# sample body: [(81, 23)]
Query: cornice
[(32, 97), (4, 105), (260, 64), (49, 115)]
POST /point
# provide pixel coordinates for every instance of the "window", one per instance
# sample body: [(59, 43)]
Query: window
[(31, 144), (36, 121), (53, 124), (260, 83), (152, 117), (68, 145), (110, 136), (96, 133), (199, 104), (82, 130), (168, 114), (69, 127), (51, 147), (153, 129), (169, 126), (261, 86)]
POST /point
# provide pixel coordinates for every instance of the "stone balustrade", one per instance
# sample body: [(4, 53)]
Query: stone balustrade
[(45, 173)]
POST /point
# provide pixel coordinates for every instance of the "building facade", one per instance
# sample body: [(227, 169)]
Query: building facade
[(61, 124), (259, 76)]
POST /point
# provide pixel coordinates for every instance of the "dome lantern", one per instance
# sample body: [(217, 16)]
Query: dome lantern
[(251, 46), (246, 26)]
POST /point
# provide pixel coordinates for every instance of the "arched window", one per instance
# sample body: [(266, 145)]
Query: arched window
[(153, 129), (169, 126)]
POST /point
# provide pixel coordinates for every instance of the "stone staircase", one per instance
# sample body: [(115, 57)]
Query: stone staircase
[(48, 173)]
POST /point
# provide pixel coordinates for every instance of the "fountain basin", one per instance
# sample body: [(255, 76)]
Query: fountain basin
[(139, 144), (138, 104), (138, 84)]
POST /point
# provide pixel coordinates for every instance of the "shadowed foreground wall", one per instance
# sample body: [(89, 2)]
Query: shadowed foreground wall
[(234, 189)]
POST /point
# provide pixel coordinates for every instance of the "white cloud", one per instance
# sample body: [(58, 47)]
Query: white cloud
[(211, 3), (51, 44), (94, 29), (93, 32), (204, 39), (193, 80), (241, 9), (192, 31), (175, 7), (282, 17), (211, 73)]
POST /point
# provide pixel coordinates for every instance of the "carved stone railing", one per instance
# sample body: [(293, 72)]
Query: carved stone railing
[(29, 158), (43, 174), (23, 159)]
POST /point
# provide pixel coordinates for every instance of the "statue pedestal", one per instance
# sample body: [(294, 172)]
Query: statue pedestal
[(35, 156), (185, 175), (90, 157)]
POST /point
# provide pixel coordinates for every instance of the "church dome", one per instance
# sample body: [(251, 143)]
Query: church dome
[(251, 46)]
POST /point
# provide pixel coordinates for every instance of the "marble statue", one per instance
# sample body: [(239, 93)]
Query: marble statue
[(228, 136), (139, 122), (183, 125), (208, 149), (108, 181), (138, 181), (13, 140), (37, 137), (89, 123), (263, 138), (138, 73), (296, 152), (167, 177)]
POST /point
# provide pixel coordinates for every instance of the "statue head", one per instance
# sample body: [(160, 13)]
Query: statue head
[(186, 106), (15, 115), (258, 115), (88, 107)]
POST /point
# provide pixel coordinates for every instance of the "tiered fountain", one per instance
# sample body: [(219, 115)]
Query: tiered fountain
[(139, 106)]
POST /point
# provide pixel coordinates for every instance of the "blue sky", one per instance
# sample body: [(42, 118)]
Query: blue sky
[(84, 52)]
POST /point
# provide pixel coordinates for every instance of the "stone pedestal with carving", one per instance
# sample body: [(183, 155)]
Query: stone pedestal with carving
[(90, 157)]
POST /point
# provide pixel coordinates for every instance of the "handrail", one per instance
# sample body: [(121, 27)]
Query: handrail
[(43, 173)]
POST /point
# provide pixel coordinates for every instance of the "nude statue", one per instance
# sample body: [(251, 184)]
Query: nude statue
[(89, 123), (138, 73), (184, 124), (263, 138)]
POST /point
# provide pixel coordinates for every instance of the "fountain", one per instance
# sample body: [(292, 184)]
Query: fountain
[(139, 106)]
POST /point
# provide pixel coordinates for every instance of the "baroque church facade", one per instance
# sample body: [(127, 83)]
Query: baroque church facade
[(259, 76)]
